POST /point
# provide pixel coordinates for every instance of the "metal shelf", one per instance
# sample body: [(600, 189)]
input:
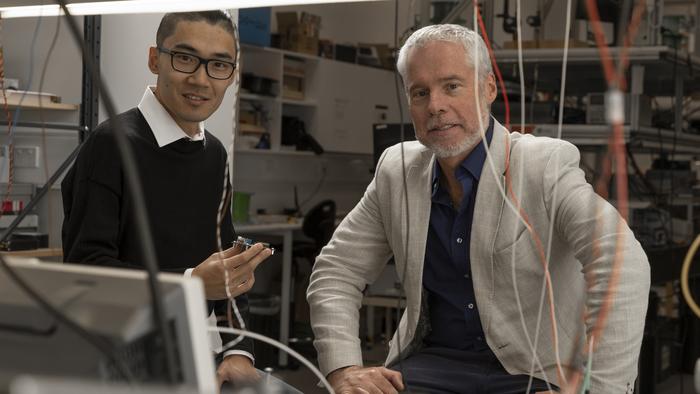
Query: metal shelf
[(661, 62), (643, 138), (591, 55)]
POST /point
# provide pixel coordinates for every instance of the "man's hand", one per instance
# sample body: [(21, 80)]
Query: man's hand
[(237, 370), (241, 271), (372, 380)]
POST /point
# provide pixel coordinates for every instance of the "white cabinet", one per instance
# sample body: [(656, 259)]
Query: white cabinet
[(341, 101)]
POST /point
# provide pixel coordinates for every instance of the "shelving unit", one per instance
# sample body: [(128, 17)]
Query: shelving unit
[(336, 109), (27, 219), (653, 71)]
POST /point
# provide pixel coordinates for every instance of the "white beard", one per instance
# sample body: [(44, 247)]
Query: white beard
[(467, 143)]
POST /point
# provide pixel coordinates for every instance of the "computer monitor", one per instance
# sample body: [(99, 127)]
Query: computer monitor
[(387, 134), (111, 303)]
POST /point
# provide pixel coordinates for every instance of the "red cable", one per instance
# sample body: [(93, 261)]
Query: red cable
[(511, 193), (614, 80), (494, 65)]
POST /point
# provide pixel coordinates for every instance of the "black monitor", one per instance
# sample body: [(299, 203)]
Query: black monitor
[(385, 135), (111, 303)]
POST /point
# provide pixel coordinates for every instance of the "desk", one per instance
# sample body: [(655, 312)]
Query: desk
[(390, 303), (286, 230), (44, 252)]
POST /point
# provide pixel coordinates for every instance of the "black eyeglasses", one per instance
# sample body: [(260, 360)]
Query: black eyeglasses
[(188, 63)]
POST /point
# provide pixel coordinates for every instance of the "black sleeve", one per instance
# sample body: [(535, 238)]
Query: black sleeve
[(92, 195), (220, 309)]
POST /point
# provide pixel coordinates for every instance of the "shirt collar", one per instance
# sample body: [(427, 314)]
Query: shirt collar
[(472, 164), (162, 124)]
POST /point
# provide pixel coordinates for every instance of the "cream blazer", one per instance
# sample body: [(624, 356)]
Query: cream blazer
[(505, 258)]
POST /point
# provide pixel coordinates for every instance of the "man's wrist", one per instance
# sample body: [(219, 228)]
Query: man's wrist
[(337, 372)]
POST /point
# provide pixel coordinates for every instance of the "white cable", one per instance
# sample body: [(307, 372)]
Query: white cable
[(492, 167), (220, 213), (560, 122), (279, 345), (533, 346)]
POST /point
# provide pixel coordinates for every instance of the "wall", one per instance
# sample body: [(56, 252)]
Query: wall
[(272, 177)]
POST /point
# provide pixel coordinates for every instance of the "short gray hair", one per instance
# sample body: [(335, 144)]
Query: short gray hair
[(450, 33)]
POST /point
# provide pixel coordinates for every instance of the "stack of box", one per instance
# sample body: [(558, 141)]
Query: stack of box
[(299, 35)]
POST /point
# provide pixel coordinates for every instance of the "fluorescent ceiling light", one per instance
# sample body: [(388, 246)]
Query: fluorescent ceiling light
[(150, 6)]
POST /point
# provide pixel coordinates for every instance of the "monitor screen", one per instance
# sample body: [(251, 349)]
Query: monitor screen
[(111, 303), (387, 134)]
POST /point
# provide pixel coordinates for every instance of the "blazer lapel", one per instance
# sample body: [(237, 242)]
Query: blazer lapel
[(487, 214), (419, 177)]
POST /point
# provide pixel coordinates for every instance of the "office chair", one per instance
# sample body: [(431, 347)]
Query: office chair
[(319, 225)]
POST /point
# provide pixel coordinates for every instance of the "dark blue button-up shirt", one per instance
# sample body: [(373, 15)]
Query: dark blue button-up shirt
[(454, 316)]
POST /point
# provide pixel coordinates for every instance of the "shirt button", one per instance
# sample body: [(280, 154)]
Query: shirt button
[(466, 276), (470, 306), (479, 338), (459, 240)]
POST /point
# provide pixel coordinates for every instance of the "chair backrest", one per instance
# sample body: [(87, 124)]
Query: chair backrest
[(319, 223)]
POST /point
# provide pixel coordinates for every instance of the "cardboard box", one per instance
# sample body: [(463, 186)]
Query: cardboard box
[(254, 26), (299, 35)]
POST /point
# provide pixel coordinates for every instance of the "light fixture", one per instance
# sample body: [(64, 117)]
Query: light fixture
[(149, 6)]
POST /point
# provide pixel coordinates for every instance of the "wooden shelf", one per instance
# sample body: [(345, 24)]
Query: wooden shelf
[(51, 106), (32, 102), (44, 252)]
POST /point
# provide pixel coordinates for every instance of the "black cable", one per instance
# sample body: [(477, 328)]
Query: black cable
[(673, 146), (134, 184), (100, 344)]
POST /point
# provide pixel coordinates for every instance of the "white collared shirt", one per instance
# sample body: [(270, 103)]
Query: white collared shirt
[(162, 124)]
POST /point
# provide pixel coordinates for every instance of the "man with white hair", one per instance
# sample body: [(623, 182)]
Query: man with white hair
[(472, 261)]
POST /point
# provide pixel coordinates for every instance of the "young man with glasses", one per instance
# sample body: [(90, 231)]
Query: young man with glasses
[(181, 168)]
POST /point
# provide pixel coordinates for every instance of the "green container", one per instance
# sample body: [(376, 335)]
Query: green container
[(240, 207)]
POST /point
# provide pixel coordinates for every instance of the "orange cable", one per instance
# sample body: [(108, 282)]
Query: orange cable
[(614, 80), (495, 65)]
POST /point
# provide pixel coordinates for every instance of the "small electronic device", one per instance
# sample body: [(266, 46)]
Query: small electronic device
[(246, 243)]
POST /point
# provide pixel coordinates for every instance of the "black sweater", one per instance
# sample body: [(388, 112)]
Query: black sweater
[(182, 184)]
